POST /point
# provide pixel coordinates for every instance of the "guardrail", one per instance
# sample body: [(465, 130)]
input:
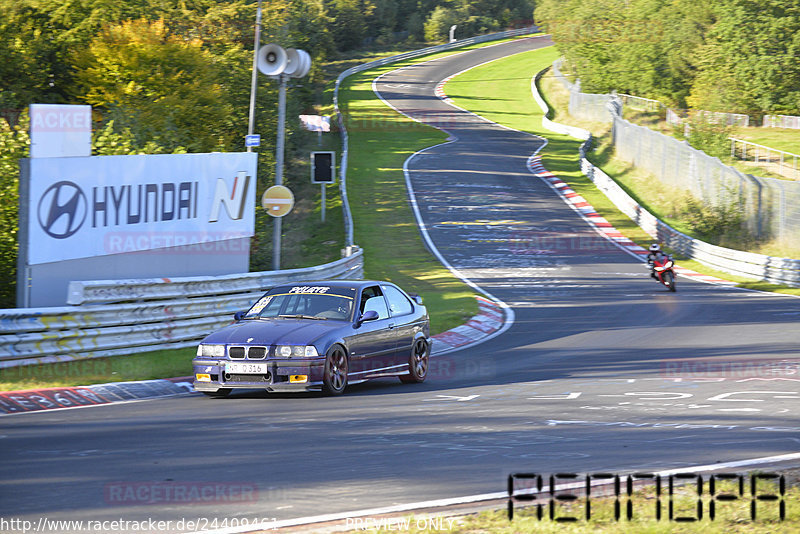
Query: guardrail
[(348, 217), (114, 317), (775, 270)]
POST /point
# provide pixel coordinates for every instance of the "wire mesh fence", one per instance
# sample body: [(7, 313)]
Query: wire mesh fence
[(782, 121), (770, 207)]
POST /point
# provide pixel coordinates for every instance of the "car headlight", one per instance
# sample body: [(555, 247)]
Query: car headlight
[(211, 351), (297, 351)]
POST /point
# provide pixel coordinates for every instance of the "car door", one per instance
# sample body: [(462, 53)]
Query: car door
[(372, 346), (406, 322)]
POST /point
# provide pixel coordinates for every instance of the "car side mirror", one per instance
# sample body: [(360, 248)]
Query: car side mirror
[(417, 299), (369, 315), (239, 315)]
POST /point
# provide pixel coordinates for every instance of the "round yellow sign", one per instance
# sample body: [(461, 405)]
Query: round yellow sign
[(278, 200)]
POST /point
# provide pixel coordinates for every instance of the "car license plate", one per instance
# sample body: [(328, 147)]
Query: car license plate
[(241, 368)]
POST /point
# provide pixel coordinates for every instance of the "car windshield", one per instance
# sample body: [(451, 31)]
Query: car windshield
[(305, 302)]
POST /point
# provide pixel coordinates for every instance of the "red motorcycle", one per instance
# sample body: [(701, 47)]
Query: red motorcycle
[(662, 266)]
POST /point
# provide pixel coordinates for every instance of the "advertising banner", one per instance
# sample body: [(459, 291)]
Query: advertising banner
[(83, 207)]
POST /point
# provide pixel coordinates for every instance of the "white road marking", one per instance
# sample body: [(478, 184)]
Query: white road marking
[(455, 397)]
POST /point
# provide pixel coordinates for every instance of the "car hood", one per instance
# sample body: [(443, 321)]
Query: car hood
[(274, 332)]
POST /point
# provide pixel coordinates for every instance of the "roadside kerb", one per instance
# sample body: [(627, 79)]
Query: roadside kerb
[(47, 399)]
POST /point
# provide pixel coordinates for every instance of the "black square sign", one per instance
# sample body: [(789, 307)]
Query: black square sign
[(323, 167)]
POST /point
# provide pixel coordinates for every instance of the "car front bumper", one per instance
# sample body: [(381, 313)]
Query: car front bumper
[(282, 375)]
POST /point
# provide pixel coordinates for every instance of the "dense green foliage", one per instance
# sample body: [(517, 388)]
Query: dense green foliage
[(13, 146), (721, 55)]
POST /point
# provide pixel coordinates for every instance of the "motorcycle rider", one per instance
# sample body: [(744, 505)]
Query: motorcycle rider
[(655, 254)]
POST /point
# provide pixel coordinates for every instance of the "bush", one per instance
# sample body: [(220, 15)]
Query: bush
[(712, 223), (709, 136), (14, 143)]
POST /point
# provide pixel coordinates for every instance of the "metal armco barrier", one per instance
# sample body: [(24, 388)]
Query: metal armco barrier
[(114, 317), (348, 217), (775, 270)]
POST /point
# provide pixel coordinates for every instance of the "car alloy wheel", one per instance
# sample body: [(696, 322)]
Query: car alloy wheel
[(417, 363), (335, 378)]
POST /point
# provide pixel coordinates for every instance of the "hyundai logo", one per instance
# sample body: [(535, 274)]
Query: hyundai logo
[(62, 209)]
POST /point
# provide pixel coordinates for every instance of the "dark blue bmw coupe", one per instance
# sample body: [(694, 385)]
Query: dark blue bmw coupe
[(317, 336)]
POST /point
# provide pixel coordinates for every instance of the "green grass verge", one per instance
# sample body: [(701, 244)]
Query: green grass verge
[(144, 366), (513, 106)]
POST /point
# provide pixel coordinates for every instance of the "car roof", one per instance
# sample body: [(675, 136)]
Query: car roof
[(358, 284)]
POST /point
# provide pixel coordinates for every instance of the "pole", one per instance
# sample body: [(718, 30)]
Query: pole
[(254, 80), (322, 186), (276, 233)]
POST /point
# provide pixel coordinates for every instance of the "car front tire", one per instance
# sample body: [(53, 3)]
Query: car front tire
[(334, 379), (417, 363)]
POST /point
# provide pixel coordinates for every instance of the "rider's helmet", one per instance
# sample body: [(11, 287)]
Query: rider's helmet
[(655, 247)]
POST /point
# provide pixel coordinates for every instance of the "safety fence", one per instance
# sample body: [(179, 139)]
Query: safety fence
[(640, 103), (348, 217), (776, 270), (773, 160), (770, 207), (113, 317), (782, 121)]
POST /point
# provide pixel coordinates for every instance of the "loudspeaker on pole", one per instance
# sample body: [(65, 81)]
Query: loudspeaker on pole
[(272, 60), (299, 63)]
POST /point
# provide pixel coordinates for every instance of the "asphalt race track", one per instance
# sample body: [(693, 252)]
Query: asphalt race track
[(602, 370)]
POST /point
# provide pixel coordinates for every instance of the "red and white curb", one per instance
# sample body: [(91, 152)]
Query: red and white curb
[(490, 319), (37, 400), (439, 91), (601, 225)]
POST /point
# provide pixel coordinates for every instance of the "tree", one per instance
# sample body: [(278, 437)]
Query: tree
[(437, 27), (349, 22), (749, 63), (14, 144), (160, 86)]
